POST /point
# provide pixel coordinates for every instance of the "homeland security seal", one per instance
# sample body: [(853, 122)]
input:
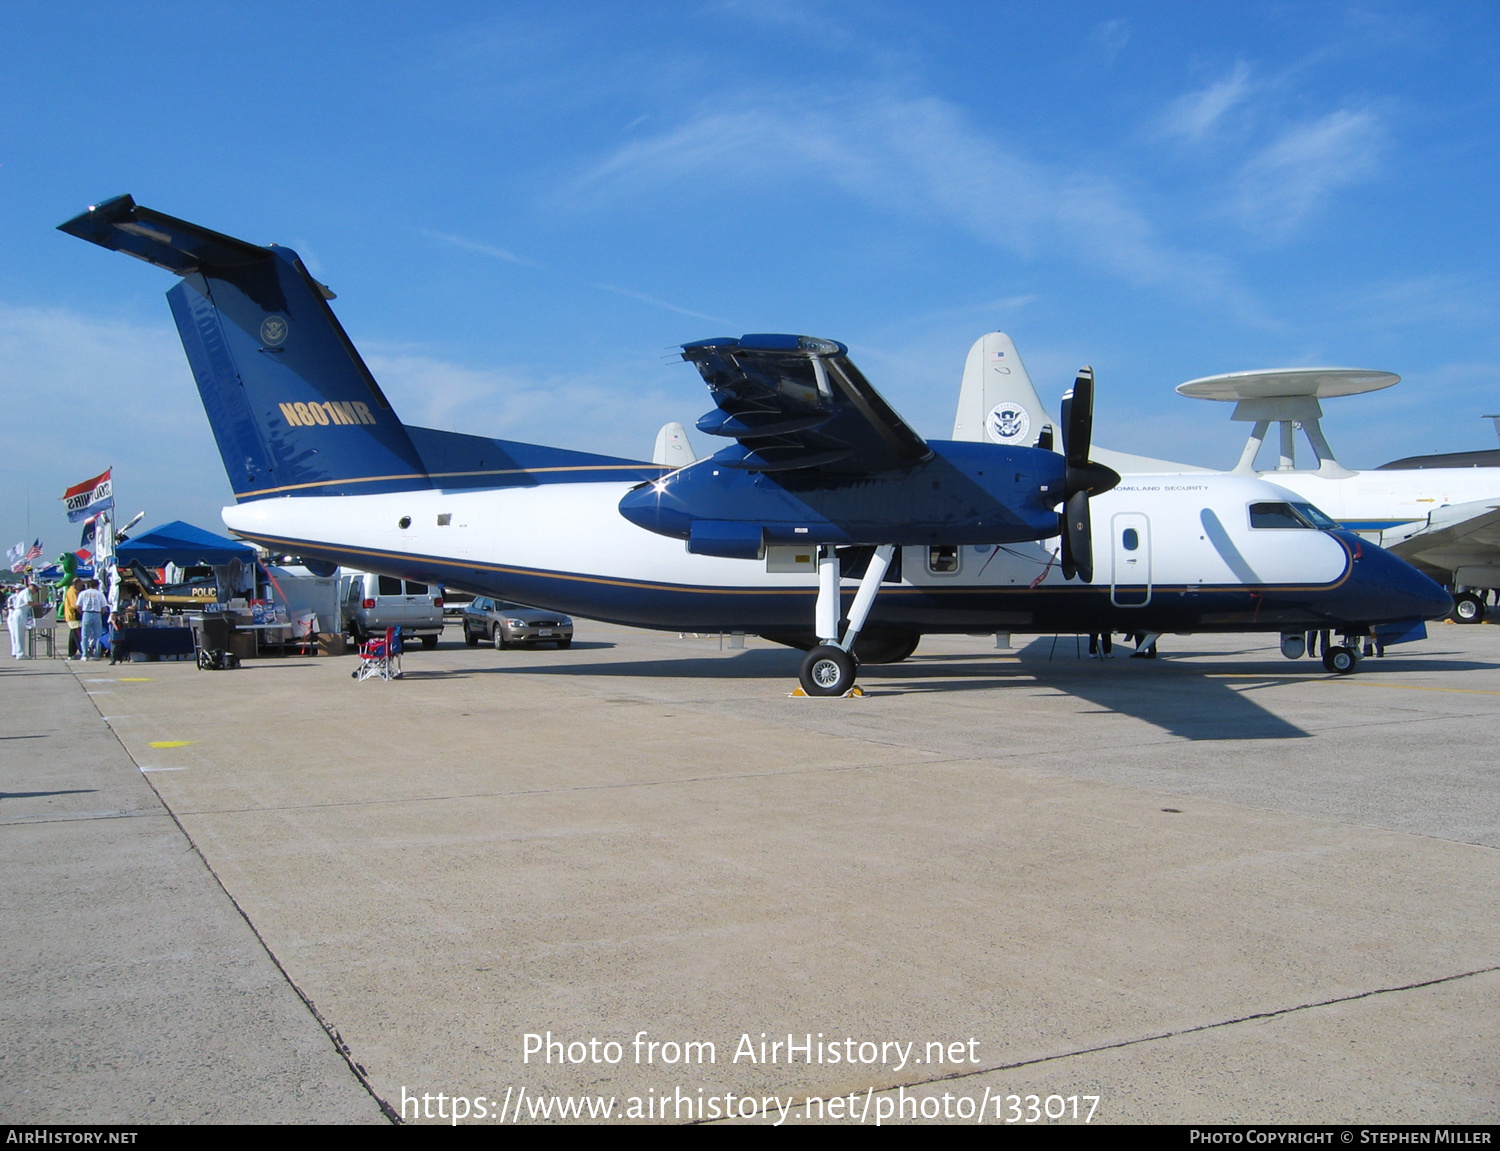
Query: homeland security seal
[(273, 331), (1007, 423)]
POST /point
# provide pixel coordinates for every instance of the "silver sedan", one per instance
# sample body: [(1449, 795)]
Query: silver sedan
[(511, 625)]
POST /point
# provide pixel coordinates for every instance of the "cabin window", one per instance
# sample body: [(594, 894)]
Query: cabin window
[(943, 559), (1130, 540), (413, 588)]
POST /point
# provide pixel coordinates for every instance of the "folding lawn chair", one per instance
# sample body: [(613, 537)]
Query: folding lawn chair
[(380, 657)]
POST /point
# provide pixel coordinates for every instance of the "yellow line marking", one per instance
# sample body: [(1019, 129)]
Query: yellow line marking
[(172, 742), (1415, 687), (135, 679)]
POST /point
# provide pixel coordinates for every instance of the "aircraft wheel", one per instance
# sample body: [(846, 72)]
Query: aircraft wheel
[(1340, 660), (827, 670), (499, 638), (470, 638), (429, 643), (1468, 608)]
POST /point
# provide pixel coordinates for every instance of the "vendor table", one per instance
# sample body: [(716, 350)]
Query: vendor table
[(151, 641), (270, 634)]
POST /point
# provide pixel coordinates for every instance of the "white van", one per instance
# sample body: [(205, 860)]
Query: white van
[(372, 603)]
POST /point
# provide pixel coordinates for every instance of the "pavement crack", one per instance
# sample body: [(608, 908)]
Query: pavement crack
[(1217, 1024), (338, 1043)]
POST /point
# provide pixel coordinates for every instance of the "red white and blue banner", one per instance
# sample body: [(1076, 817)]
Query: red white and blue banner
[(90, 497)]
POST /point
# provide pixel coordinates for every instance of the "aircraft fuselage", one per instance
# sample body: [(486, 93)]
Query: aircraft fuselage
[(1196, 564)]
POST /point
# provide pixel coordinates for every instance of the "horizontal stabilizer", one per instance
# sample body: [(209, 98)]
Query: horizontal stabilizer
[(121, 225)]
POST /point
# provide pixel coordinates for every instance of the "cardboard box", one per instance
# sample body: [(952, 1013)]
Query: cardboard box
[(331, 643)]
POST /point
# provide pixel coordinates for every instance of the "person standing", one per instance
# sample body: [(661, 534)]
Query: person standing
[(92, 605), (71, 617), (18, 615)]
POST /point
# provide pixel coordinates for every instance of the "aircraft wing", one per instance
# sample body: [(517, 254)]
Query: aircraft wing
[(1456, 536), (796, 403)]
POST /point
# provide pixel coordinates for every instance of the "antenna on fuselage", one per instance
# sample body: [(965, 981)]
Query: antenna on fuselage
[(1288, 397)]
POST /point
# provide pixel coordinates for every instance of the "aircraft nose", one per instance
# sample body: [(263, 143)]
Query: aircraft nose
[(1399, 591)]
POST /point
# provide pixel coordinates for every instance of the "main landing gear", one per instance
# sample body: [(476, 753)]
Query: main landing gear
[(830, 668), (1468, 608)]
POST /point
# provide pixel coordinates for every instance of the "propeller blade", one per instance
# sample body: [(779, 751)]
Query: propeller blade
[(1078, 544), (1078, 418), (1083, 478)]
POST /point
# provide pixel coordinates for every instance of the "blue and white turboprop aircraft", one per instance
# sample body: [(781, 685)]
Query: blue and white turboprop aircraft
[(823, 479)]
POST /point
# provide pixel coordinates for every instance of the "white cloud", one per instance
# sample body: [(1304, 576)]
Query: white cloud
[(1292, 177), (490, 250), (502, 254), (917, 156), (84, 394), (1196, 115), (1439, 300), (613, 415), (1111, 37)]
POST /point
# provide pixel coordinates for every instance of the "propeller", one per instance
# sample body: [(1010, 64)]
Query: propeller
[(1083, 478)]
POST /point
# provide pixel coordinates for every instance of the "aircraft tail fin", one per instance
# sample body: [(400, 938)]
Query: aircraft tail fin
[(293, 407), (997, 403), (672, 447)]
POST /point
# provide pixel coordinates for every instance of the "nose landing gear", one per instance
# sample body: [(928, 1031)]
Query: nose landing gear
[(1340, 660)]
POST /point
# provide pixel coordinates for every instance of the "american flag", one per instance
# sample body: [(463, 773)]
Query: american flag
[(23, 561)]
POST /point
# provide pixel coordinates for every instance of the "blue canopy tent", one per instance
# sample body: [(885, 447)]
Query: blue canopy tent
[(184, 545)]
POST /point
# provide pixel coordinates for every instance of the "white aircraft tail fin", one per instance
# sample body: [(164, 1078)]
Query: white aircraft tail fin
[(997, 403), (672, 448)]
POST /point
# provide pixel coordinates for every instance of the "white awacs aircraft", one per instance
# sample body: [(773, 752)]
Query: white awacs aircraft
[(821, 480)]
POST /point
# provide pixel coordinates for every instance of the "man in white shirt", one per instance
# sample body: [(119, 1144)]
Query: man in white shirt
[(18, 613), (92, 605)]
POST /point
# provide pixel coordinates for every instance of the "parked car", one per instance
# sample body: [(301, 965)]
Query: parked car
[(508, 624), (455, 601), (373, 603)]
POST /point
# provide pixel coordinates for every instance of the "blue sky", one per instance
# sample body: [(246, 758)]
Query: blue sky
[(524, 208)]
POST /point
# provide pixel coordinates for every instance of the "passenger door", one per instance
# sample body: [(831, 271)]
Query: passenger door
[(1130, 556)]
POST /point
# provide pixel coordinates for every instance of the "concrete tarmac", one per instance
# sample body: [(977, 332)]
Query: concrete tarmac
[(131, 989), (1215, 887)]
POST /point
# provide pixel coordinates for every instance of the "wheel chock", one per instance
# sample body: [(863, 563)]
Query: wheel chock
[(798, 693)]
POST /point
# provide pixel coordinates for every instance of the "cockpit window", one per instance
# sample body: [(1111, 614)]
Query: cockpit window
[(1272, 515), (1316, 517), (1289, 515)]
